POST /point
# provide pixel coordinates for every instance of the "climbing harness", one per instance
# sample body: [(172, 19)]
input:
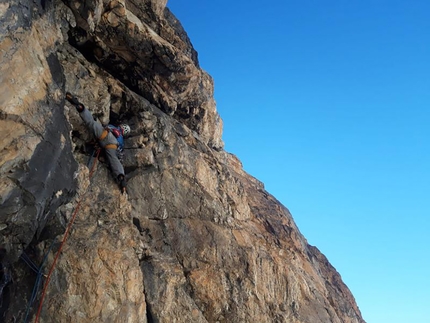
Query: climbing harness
[(66, 234), (111, 146), (110, 129), (104, 134)]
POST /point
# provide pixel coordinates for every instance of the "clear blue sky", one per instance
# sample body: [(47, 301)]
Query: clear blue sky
[(327, 103)]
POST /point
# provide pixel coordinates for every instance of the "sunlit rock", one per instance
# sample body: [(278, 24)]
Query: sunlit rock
[(196, 239)]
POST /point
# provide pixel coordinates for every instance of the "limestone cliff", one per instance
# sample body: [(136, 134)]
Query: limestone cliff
[(196, 239)]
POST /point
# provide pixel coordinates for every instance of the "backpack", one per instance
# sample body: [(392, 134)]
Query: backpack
[(117, 132)]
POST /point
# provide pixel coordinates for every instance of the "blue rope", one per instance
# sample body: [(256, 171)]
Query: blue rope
[(5, 280), (37, 282), (29, 262)]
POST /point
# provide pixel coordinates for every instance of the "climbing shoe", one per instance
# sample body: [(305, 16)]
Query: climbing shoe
[(122, 183), (73, 100)]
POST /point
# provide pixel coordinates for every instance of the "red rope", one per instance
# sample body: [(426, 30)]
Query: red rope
[(69, 226)]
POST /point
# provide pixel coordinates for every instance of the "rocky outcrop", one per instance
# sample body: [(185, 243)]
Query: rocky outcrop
[(145, 47), (196, 239)]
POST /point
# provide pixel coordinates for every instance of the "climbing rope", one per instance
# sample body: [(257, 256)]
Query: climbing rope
[(29, 262), (6, 278), (95, 151), (66, 233), (39, 272)]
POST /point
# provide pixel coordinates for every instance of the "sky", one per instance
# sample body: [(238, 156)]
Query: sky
[(327, 103)]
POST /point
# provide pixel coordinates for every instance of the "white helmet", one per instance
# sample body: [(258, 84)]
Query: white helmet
[(125, 129)]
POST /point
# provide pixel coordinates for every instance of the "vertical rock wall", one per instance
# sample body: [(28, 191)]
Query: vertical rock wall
[(37, 164), (195, 240)]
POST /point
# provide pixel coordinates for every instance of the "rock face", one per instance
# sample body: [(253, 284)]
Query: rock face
[(196, 239)]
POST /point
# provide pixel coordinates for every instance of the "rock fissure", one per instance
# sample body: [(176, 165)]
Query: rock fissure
[(18, 119)]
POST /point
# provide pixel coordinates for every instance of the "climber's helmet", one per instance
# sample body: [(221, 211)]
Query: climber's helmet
[(125, 129)]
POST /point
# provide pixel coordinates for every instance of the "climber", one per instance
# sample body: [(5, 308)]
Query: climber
[(110, 138)]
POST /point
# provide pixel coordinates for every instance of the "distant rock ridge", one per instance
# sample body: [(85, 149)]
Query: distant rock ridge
[(197, 239)]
